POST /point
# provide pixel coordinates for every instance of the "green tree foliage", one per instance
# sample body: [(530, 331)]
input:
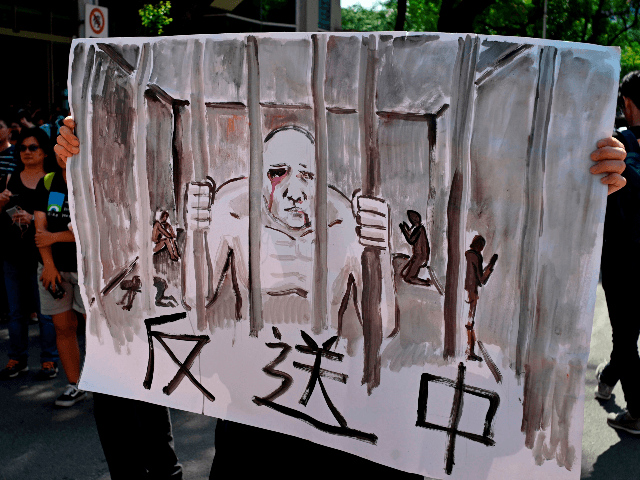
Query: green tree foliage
[(359, 19), (155, 17), (603, 22)]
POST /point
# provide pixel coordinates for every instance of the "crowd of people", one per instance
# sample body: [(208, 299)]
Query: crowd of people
[(38, 264), (39, 276)]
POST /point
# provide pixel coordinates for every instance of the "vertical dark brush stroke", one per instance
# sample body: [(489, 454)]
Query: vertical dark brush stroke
[(461, 99), (533, 207), (113, 162), (182, 165), (255, 187), (490, 363), (454, 419), (453, 262), (81, 69), (371, 267), (456, 412), (159, 172), (182, 173), (200, 171), (319, 292), (432, 132)]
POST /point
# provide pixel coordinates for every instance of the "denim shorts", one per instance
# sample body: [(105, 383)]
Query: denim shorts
[(71, 300)]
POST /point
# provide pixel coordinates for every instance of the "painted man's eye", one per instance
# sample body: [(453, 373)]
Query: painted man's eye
[(306, 175), (276, 172)]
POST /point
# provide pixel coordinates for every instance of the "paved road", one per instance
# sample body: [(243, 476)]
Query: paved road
[(606, 453), (40, 442)]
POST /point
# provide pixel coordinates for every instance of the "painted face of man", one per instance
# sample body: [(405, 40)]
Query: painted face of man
[(289, 179)]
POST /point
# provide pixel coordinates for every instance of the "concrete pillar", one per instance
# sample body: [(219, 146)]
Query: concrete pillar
[(336, 16), (307, 15)]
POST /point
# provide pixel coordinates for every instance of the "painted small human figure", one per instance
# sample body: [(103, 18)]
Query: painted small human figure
[(476, 277), (163, 300), (416, 236), (131, 287), (164, 237)]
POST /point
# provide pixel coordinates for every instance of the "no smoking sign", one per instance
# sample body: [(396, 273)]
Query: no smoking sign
[(96, 21)]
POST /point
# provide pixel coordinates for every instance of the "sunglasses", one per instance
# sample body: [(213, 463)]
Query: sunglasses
[(31, 148)]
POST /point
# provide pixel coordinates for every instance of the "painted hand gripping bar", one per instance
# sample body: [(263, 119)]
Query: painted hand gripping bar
[(386, 244)]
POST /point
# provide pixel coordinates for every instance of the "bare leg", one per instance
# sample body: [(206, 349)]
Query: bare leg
[(173, 250), (132, 295), (410, 273), (471, 333), (160, 245), (122, 300), (66, 325)]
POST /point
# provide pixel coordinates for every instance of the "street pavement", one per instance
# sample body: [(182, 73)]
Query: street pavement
[(41, 442)]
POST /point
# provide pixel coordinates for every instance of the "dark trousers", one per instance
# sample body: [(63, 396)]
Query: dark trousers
[(621, 284), (136, 438), (23, 297), (250, 452)]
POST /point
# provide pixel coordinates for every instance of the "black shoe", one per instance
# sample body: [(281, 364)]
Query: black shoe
[(13, 369), (474, 357), (70, 396), (49, 370)]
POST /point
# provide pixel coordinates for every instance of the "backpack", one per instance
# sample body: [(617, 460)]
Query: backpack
[(48, 179)]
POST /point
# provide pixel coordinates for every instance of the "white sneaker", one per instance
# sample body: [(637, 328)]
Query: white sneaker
[(70, 396), (602, 391)]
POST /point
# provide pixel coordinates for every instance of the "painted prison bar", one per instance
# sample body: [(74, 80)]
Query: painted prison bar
[(415, 122)]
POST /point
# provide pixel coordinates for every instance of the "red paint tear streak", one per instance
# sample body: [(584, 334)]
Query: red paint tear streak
[(274, 182)]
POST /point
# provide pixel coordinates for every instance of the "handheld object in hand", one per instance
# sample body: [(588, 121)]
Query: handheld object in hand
[(58, 293)]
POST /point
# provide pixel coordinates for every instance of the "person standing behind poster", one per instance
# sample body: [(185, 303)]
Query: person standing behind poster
[(234, 440), (58, 274), (8, 163), (20, 264), (136, 436), (620, 264)]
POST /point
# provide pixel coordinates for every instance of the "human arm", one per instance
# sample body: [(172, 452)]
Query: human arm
[(167, 232), (415, 235), (5, 197), (50, 273), (404, 227), (488, 270), (45, 238), (609, 158)]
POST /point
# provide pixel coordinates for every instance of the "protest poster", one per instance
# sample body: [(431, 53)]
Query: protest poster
[(407, 220)]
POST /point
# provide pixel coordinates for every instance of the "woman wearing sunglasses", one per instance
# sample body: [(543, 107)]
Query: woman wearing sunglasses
[(58, 274), (17, 201)]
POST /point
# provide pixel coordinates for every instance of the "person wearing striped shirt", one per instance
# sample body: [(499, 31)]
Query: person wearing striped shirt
[(8, 160)]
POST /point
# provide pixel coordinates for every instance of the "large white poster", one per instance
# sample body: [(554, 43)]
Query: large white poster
[(386, 244)]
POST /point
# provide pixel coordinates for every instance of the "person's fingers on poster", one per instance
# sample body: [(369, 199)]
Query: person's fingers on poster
[(67, 143), (614, 181), (371, 217), (609, 158), (66, 148), (198, 206)]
